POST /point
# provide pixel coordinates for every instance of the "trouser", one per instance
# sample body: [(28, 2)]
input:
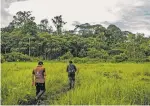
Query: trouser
[(71, 77), (40, 89)]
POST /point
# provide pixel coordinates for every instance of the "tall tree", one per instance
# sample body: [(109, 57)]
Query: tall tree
[(114, 35), (58, 23), (44, 26), (21, 18)]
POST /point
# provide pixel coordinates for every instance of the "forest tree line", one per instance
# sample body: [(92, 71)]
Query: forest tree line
[(23, 39)]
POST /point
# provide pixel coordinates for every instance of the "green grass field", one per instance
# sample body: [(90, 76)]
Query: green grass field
[(96, 84)]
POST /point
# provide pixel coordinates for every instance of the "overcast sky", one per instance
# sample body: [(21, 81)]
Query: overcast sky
[(131, 15)]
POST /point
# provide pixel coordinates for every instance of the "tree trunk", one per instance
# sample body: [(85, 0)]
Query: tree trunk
[(5, 50)]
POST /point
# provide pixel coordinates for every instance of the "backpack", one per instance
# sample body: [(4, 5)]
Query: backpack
[(71, 68)]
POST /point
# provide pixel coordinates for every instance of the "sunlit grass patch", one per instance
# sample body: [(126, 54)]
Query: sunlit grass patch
[(96, 84)]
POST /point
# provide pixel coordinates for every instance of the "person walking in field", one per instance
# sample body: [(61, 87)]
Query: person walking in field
[(71, 69), (38, 79)]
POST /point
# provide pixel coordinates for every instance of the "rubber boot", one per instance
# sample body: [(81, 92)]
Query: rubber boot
[(39, 94)]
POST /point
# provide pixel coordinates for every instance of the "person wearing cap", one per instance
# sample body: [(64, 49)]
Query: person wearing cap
[(71, 69), (38, 79)]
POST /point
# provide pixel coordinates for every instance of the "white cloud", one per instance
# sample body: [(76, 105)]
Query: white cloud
[(126, 14), (145, 31), (72, 10), (6, 17)]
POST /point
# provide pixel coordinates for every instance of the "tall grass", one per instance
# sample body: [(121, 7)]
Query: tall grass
[(110, 84), (17, 80), (99, 84)]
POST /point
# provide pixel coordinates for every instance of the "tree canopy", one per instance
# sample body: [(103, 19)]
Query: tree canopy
[(25, 36)]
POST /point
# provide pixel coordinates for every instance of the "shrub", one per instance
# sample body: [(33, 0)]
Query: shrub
[(16, 56), (80, 60), (2, 59), (120, 58), (94, 53), (115, 52), (68, 55), (82, 53), (147, 59)]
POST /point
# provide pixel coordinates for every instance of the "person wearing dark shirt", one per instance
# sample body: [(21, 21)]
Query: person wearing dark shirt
[(71, 69)]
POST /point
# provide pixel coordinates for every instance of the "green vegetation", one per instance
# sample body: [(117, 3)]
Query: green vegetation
[(109, 44), (101, 78), (17, 81), (99, 83), (16, 56)]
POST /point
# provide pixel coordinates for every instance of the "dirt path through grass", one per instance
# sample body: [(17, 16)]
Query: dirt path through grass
[(48, 97), (45, 99)]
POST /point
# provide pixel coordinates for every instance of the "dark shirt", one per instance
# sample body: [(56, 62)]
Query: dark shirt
[(71, 67)]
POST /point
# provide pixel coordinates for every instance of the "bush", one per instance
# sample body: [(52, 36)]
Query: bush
[(16, 56), (99, 54), (2, 59), (147, 59), (82, 53), (120, 58), (115, 52), (87, 60), (81, 60), (68, 55)]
